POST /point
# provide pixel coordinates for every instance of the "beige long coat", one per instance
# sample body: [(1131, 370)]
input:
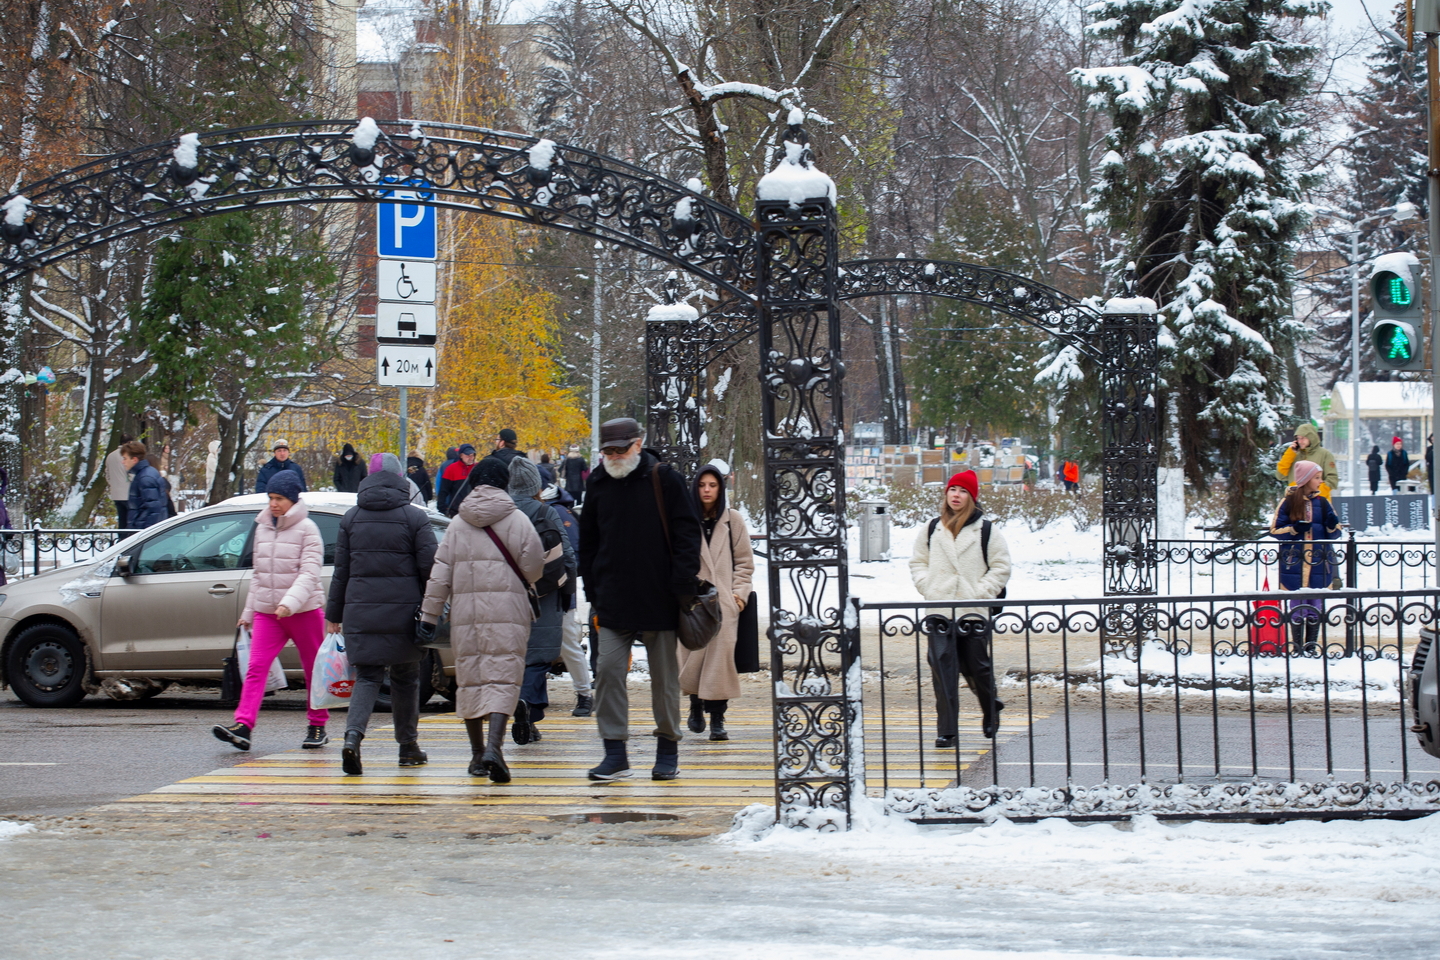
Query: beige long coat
[(728, 562), (489, 611)]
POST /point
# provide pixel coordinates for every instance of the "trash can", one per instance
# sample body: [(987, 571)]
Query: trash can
[(874, 530)]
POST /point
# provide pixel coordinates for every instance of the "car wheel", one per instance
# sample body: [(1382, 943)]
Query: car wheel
[(46, 666), (427, 687)]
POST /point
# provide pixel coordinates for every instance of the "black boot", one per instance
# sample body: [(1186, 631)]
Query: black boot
[(523, 730), (615, 766), (350, 753), (1312, 638), (494, 759), (979, 673), (412, 756), (716, 709), (475, 730), (696, 720), (667, 759)]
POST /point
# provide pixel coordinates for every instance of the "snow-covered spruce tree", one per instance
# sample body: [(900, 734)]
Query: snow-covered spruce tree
[(1202, 177), (1385, 161)]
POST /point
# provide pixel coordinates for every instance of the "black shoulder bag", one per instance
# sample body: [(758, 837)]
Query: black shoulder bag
[(699, 623)]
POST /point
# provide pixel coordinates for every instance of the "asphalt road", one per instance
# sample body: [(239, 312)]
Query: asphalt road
[(60, 761)]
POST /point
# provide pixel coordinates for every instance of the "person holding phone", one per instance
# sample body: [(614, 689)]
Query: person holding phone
[(1306, 448)]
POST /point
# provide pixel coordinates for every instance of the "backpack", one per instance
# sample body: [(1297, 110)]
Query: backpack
[(555, 575), (984, 555)]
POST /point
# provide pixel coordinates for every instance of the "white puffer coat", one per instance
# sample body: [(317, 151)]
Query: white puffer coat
[(288, 557), (946, 567)]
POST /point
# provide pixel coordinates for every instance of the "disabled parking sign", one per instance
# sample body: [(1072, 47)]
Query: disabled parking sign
[(405, 226)]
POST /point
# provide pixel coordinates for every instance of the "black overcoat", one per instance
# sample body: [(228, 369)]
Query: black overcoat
[(383, 556), (631, 580)]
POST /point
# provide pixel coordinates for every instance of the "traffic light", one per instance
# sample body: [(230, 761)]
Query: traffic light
[(1395, 299)]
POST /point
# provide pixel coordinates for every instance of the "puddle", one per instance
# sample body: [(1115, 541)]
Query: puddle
[(612, 816)]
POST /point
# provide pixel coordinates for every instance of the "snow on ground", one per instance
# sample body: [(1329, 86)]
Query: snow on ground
[(1367, 860), (9, 828), (1349, 679)]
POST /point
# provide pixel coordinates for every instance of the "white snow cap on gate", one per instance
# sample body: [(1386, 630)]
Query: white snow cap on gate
[(794, 178), (187, 153), (542, 154), (365, 134), (16, 208), (673, 311), (1118, 305)]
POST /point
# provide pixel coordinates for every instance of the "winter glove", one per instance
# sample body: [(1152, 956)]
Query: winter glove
[(424, 632)]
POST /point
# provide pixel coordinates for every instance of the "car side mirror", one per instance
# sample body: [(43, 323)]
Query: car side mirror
[(122, 566)]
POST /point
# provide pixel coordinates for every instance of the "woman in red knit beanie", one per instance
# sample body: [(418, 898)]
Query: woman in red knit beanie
[(958, 556)]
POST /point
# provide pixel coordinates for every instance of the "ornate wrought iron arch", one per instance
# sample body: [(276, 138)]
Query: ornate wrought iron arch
[(679, 352), (1121, 346), (501, 174)]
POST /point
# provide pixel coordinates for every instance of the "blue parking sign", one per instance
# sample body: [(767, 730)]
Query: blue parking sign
[(405, 227)]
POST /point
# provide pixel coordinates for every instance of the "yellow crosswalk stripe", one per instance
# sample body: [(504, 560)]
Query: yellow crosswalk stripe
[(550, 775)]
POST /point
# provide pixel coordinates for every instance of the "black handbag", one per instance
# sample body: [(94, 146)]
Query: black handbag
[(230, 679), (699, 622), (747, 638)]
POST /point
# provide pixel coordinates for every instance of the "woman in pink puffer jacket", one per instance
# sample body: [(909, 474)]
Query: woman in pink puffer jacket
[(284, 603)]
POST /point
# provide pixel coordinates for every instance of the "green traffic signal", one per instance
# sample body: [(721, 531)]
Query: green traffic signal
[(1392, 291), (1398, 346)]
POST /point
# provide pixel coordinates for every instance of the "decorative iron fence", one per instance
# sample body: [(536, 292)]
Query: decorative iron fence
[(1245, 706), (1233, 566), (29, 552)]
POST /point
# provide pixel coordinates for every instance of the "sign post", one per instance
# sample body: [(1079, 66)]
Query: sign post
[(405, 322)]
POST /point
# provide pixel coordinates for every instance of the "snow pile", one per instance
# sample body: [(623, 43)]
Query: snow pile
[(1301, 678), (1373, 860), (795, 180), (542, 154), (187, 152), (679, 312), (366, 134), (16, 209), (9, 828), (1128, 305)]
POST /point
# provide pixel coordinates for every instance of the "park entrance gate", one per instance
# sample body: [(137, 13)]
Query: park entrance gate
[(782, 274)]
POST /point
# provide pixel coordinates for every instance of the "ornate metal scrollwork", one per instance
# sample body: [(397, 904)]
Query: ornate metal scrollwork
[(467, 168), (812, 644)]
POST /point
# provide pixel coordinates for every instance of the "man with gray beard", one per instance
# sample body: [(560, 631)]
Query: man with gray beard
[(637, 578)]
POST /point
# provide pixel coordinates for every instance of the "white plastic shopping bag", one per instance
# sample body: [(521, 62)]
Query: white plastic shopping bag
[(333, 679), (275, 680)]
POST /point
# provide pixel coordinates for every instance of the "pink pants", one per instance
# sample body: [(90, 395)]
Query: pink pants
[(267, 638)]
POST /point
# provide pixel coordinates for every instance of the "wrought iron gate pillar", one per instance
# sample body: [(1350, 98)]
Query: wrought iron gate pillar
[(1130, 452), (674, 422), (814, 638)]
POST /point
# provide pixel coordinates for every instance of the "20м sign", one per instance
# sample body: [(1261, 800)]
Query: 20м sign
[(405, 239), (405, 366)]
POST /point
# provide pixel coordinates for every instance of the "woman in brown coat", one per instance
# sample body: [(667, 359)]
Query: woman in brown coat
[(726, 560), (490, 611)]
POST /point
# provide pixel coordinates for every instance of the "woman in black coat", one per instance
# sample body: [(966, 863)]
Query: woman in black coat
[(383, 556), (1373, 463)]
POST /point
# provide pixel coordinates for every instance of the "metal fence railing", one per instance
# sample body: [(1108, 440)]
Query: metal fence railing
[(1188, 706), (1234, 566), (29, 552)]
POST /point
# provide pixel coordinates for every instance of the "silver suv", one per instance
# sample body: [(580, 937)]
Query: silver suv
[(159, 607)]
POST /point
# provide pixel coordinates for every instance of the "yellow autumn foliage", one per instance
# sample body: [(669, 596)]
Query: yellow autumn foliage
[(497, 350)]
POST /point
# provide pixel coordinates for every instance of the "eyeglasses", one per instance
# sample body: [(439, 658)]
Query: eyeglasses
[(616, 451)]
